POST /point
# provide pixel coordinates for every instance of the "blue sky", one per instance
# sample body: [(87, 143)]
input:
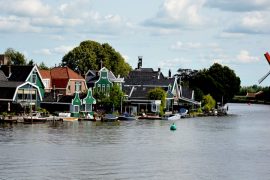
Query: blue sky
[(169, 34)]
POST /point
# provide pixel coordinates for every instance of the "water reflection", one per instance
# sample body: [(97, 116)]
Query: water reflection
[(232, 147)]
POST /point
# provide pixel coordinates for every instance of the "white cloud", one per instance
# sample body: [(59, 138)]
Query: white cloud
[(239, 5), (177, 13), (44, 51), (251, 23), (33, 8), (194, 45), (173, 63), (245, 57), (14, 24), (62, 49)]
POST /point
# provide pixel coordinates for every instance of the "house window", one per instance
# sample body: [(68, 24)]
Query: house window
[(78, 86), (76, 108), (34, 78), (46, 83), (108, 87), (103, 87), (99, 87), (88, 107)]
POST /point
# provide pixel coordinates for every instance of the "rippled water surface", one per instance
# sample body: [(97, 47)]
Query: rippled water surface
[(232, 147)]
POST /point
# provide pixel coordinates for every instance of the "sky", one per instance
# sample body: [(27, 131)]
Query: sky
[(169, 34)]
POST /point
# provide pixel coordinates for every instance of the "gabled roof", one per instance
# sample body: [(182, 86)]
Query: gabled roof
[(64, 73), (45, 74), (92, 76), (139, 92), (8, 88), (148, 77), (60, 76), (16, 72)]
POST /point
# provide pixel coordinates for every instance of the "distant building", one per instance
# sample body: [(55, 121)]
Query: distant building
[(20, 87), (4, 59)]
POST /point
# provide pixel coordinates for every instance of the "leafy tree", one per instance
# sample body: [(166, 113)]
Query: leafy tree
[(89, 54), (111, 100), (15, 57), (43, 66), (116, 95), (184, 75), (31, 62), (208, 102), (219, 81), (158, 94)]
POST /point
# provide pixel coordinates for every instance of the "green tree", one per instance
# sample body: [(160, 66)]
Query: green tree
[(15, 57), (116, 95), (43, 66), (31, 62), (158, 94), (219, 81), (109, 101), (89, 54), (208, 103)]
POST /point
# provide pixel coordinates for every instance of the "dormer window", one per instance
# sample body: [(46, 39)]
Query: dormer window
[(34, 78), (78, 86)]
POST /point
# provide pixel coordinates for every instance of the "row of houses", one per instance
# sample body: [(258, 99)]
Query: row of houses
[(63, 90)]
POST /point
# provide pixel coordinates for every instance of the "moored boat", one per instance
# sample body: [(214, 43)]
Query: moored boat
[(109, 118), (127, 117), (34, 118), (70, 119), (171, 117)]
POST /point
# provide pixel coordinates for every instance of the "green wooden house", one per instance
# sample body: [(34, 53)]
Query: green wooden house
[(87, 104), (75, 106)]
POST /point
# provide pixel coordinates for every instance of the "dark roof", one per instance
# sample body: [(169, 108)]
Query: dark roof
[(18, 72), (7, 92), (10, 84), (49, 97), (148, 77), (139, 92), (2, 76)]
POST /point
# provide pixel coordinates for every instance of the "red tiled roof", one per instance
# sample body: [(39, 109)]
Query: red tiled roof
[(64, 73), (45, 74), (61, 75)]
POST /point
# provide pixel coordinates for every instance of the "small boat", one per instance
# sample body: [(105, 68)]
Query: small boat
[(127, 117), (171, 117), (35, 118), (150, 117), (70, 119), (109, 118), (173, 127), (183, 112)]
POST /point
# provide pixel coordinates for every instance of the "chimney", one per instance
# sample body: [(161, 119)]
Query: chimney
[(158, 73), (170, 73), (140, 62), (101, 64)]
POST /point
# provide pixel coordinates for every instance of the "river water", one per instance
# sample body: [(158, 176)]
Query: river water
[(232, 147)]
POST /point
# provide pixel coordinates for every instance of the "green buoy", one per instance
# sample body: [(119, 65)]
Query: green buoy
[(173, 127)]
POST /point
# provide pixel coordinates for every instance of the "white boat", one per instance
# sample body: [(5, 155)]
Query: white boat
[(34, 118), (171, 117)]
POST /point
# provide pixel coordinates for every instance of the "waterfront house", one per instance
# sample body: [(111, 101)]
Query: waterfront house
[(102, 80), (61, 83), (140, 81), (20, 86)]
